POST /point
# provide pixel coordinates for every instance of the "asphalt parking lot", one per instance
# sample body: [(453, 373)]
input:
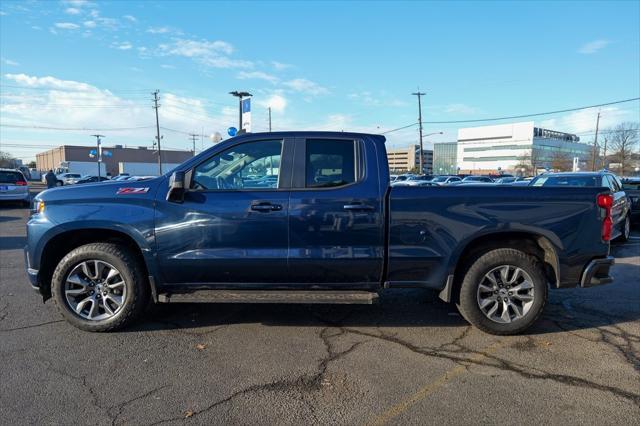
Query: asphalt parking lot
[(410, 359)]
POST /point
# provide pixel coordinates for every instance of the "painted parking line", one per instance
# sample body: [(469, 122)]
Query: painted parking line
[(430, 388)]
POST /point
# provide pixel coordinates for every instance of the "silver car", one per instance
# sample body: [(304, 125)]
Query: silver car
[(13, 186)]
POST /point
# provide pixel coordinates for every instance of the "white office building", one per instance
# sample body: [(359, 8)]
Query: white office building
[(503, 147)]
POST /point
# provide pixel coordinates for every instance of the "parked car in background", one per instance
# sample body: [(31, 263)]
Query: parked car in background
[(476, 179), (508, 180), (631, 187), (415, 180), (621, 208), (13, 186), (446, 180), (403, 177), (91, 179), (67, 178), (121, 176)]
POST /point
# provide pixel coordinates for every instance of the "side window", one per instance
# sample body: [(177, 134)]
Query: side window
[(252, 165), (329, 163), (613, 184)]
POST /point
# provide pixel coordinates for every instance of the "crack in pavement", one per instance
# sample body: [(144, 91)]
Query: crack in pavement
[(31, 326), (505, 365), (303, 384)]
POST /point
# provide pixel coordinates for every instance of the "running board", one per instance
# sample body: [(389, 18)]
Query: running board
[(272, 296)]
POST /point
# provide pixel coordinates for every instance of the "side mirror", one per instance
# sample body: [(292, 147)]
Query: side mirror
[(176, 187)]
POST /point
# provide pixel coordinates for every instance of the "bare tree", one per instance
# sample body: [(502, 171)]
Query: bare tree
[(7, 160), (561, 161), (623, 142), (530, 162)]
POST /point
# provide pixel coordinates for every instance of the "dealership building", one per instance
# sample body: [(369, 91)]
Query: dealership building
[(402, 160), (52, 158), (505, 147), (445, 158)]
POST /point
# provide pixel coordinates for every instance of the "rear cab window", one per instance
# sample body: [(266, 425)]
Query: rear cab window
[(330, 163)]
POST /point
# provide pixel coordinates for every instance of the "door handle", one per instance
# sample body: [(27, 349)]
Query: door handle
[(358, 206), (266, 207)]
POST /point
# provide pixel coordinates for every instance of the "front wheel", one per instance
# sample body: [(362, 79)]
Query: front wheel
[(99, 287), (503, 292)]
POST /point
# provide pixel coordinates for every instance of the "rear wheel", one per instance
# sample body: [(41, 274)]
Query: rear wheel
[(99, 287), (59, 183), (625, 232), (503, 292)]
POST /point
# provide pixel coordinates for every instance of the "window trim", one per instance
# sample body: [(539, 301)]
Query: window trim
[(280, 188), (299, 180)]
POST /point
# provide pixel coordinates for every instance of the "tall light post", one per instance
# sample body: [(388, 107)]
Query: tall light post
[(240, 95)]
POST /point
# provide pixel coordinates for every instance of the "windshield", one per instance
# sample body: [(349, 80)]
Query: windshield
[(566, 181)]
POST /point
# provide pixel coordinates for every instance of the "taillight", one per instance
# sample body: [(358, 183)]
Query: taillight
[(605, 201), (21, 183)]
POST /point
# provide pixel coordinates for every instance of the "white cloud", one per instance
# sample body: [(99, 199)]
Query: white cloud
[(593, 46), (72, 11), (214, 54), (3, 13), (77, 3), (305, 86), (67, 25), (250, 75), (278, 103), (130, 18), (158, 30), (9, 62), (280, 66), (89, 24), (167, 66), (369, 99), (461, 109), (584, 121), (74, 104), (125, 45)]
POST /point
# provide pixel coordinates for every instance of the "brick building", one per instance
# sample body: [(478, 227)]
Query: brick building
[(52, 158)]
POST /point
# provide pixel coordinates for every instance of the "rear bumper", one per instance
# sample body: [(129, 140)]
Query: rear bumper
[(16, 196), (597, 272)]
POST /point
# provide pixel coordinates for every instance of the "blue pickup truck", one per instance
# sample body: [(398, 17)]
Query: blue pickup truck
[(310, 217)]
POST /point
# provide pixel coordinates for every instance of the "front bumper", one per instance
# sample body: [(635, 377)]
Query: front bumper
[(31, 273), (597, 272)]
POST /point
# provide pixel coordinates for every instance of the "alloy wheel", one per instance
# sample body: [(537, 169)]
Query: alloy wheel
[(95, 290), (505, 294)]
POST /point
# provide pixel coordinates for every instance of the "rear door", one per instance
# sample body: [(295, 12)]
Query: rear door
[(232, 226), (336, 234)]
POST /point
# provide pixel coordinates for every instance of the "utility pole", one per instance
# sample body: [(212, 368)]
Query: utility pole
[(604, 154), (156, 106), (595, 145), (419, 95), (269, 119), (98, 152), (193, 137)]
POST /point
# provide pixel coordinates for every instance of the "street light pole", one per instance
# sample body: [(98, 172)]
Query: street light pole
[(240, 95), (98, 152), (419, 95)]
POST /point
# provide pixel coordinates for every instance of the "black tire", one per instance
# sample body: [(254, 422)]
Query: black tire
[(625, 231), (468, 303), (137, 288)]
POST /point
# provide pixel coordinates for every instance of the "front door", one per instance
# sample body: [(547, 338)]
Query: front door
[(232, 226), (335, 215)]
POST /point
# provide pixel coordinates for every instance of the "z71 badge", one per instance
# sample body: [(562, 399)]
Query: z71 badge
[(125, 191)]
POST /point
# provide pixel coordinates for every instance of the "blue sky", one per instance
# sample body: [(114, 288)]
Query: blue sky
[(324, 65)]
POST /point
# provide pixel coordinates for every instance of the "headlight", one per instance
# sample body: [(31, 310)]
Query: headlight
[(38, 206)]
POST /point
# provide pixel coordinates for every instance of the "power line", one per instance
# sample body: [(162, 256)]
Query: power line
[(513, 116), (113, 129)]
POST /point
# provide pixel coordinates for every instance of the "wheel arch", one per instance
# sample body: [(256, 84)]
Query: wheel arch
[(531, 243), (60, 244)]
